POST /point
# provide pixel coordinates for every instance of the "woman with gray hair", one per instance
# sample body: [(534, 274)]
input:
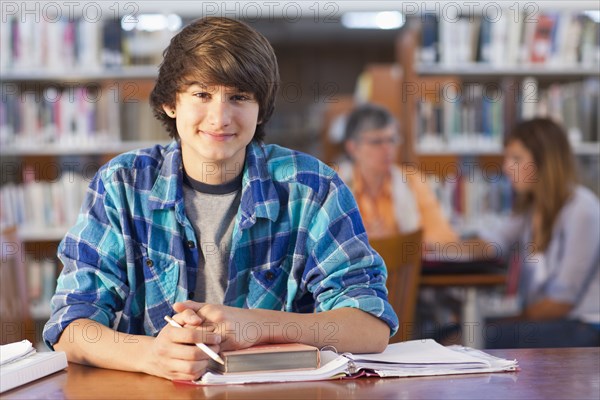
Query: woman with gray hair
[(391, 198)]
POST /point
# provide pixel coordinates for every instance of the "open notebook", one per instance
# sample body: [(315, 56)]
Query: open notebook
[(412, 358)]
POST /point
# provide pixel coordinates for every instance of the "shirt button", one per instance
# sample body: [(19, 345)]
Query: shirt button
[(149, 263), (269, 275), (191, 244), (190, 295)]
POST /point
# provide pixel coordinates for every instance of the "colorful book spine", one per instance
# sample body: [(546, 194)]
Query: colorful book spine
[(564, 38)]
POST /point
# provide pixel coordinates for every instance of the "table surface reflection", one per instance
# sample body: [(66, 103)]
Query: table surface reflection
[(545, 374)]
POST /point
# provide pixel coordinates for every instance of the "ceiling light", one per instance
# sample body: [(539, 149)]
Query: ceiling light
[(373, 20)]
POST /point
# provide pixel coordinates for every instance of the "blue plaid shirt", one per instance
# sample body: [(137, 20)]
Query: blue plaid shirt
[(298, 244)]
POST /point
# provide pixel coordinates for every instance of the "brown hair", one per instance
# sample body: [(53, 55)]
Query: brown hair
[(219, 51), (556, 174)]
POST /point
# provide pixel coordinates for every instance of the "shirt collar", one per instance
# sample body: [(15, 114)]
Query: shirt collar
[(167, 189), (259, 196)]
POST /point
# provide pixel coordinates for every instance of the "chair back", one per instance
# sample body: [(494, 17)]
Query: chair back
[(16, 323), (402, 256)]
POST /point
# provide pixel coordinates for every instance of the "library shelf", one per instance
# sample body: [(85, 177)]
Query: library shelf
[(116, 147)]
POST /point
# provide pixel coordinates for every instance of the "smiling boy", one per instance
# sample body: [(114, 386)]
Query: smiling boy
[(247, 243)]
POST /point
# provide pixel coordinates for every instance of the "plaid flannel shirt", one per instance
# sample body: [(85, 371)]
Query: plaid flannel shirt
[(298, 244)]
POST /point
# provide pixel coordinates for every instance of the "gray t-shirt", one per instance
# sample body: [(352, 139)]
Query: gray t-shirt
[(212, 210), (569, 269)]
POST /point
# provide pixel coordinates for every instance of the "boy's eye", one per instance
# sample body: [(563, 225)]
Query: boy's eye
[(241, 97), (202, 95)]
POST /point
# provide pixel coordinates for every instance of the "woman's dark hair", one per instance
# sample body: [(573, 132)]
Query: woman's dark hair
[(217, 51)]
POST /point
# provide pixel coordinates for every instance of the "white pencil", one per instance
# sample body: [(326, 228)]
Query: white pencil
[(202, 346)]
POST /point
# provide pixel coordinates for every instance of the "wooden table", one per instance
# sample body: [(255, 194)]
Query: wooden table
[(544, 374)]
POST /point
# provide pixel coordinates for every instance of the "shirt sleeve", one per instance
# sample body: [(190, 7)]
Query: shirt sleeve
[(92, 282), (504, 233), (343, 269), (578, 256)]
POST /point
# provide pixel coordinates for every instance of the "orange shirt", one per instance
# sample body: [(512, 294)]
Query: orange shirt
[(377, 211)]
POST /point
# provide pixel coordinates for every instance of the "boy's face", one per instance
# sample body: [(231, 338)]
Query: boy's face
[(215, 124)]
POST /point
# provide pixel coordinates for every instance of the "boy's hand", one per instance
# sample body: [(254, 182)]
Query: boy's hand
[(174, 355), (239, 328)]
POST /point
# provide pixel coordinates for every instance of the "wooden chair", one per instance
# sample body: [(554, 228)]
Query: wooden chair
[(16, 323), (402, 256)]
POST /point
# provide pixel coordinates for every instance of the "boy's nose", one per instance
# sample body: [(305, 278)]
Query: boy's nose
[(219, 113)]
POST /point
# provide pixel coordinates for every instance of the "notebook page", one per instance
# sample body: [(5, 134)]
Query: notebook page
[(420, 352)]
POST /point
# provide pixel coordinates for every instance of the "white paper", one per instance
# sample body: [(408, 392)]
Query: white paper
[(15, 351), (418, 353)]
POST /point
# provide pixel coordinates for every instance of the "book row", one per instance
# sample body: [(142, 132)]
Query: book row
[(466, 198), (510, 38), (75, 115), (82, 44), (42, 205), (476, 115)]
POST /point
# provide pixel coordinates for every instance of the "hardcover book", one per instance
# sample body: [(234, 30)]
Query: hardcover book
[(271, 357)]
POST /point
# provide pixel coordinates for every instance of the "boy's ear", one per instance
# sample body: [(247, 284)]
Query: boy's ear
[(170, 111)]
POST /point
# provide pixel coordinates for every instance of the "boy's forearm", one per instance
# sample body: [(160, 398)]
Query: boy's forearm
[(88, 342), (347, 329)]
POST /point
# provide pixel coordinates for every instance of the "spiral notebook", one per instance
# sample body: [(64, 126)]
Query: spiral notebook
[(413, 358)]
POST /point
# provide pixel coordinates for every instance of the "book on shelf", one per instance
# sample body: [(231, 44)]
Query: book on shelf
[(429, 39), (69, 116), (406, 359), (30, 44), (38, 205), (564, 38), (472, 194), (21, 363), (543, 41), (268, 357), (76, 44), (475, 116)]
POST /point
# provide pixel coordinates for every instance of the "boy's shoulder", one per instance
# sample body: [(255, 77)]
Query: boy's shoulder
[(292, 167), (286, 164), (150, 159)]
